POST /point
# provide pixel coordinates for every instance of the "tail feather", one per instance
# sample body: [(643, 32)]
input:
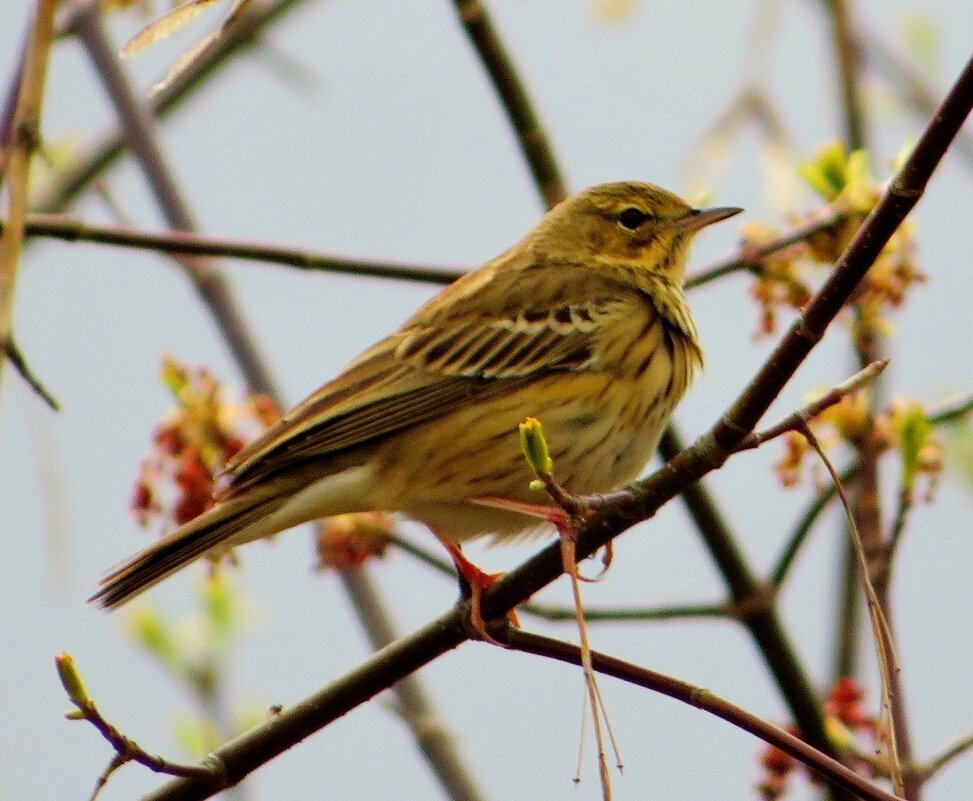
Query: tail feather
[(214, 527)]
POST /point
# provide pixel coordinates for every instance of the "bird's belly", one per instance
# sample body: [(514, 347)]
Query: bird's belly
[(600, 436)]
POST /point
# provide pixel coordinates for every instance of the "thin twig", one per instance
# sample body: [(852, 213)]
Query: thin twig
[(72, 229), (126, 749), (19, 363), (703, 699), (188, 243), (634, 614), (563, 614), (950, 411), (798, 420), (884, 642), (750, 259)]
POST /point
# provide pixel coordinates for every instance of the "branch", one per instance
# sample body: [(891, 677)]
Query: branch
[(126, 750), (714, 447), (140, 136), (699, 697), (516, 103), (848, 66), (24, 138), (188, 243), (752, 601), (563, 614), (751, 258), (902, 194), (392, 663), (869, 344), (413, 705), (234, 760)]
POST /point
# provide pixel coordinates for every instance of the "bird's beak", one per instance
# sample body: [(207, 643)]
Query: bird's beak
[(700, 218)]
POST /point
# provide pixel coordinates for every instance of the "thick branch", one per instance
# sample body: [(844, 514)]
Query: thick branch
[(239, 757), (900, 197)]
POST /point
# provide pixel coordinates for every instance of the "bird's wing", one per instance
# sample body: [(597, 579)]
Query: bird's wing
[(434, 365)]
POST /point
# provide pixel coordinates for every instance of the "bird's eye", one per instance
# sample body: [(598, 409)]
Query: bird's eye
[(632, 218)]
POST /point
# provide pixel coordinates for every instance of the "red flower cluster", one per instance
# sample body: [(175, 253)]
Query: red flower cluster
[(845, 718), (192, 444)]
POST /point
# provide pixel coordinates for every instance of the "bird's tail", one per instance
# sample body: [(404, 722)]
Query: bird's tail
[(227, 523)]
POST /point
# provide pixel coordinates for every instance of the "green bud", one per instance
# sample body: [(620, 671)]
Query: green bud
[(70, 679), (534, 446)]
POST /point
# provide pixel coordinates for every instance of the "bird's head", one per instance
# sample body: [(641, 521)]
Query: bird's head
[(630, 223)]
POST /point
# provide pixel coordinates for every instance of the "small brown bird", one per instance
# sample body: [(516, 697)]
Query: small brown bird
[(582, 324)]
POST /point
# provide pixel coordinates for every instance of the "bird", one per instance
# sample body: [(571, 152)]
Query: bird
[(582, 324)]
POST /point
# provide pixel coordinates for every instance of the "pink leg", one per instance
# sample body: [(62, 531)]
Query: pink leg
[(478, 580), (554, 515)]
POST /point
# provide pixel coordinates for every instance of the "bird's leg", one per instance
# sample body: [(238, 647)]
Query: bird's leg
[(477, 580), (566, 524)]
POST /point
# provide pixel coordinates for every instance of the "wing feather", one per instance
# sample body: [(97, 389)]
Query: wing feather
[(428, 369)]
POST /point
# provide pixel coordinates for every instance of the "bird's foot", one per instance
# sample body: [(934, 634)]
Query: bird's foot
[(477, 580)]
